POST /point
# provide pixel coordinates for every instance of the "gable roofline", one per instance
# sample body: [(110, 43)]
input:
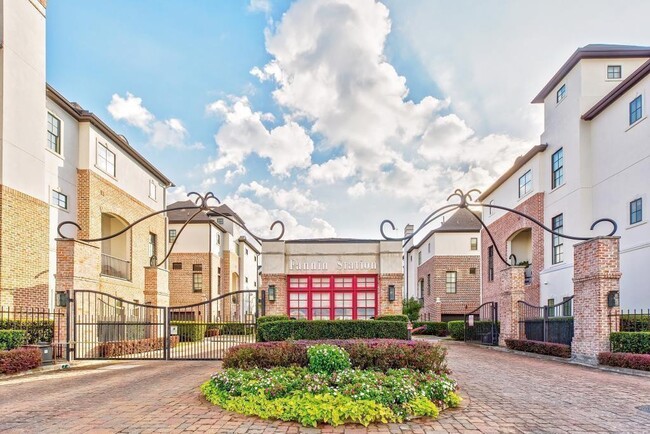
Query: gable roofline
[(639, 74), (81, 115), (459, 222), (519, 163), (591, 51)]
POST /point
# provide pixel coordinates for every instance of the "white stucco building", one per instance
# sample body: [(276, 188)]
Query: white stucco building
[(593, 163)]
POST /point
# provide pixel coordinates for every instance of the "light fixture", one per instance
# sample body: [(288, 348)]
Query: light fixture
[(271, 293), (391, 292), (61, 299), (613, 299)]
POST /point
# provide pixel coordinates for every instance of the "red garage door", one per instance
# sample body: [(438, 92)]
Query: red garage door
[(332, 297)]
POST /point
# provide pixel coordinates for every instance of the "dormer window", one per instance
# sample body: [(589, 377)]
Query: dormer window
[(561, 93), (614, 72)]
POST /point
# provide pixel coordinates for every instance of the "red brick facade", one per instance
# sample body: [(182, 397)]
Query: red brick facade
[(181, 287), (503, 230), (433, 275), (279, 306)]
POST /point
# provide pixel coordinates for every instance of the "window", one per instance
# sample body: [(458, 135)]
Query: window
[(525, 184), (153, 244), (614, 72), (343, 305), (490, 263), (197, 267), (197, 282), (566, 306), (59, 199), (429, 248), (172, 235), (419, 258), (343, 282), (320, 304), (247, 280), (365, 305), (450, 282), (246, 250), (557, 168), (177, 265), (551, 307), (152, 189), (218, 238), (636, 211), (561, 93), (105, 159), (366, 282), (636, 111), (472, 270), (421, 289), (473, 244), (218, 280), (320, 282), (428, 284), (53, 133), (220, 220), (490, 208), (557, 224)]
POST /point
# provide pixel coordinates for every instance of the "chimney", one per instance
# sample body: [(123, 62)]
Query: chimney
[(408, 230)]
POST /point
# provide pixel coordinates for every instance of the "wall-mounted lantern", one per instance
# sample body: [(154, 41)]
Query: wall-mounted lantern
[(391, 292), (613, 299), (61, 299), (271, 293)]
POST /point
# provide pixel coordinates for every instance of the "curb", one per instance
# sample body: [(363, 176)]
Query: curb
[(74, 366)]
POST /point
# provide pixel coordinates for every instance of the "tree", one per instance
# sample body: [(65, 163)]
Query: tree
[(411, 308)]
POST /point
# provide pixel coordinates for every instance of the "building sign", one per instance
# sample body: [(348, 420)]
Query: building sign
[(332, 265)]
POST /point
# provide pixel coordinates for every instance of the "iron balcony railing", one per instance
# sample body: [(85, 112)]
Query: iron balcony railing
[(116, 267)]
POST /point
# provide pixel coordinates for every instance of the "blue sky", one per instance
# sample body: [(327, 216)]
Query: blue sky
[(331, 115)]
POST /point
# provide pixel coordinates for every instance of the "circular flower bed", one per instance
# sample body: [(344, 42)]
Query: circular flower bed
[(329, 391)]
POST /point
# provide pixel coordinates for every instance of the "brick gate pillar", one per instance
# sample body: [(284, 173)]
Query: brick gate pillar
[(78, 266), (510, 293), (596, 272)]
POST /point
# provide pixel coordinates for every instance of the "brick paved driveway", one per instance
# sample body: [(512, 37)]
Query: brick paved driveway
[(505, 393)]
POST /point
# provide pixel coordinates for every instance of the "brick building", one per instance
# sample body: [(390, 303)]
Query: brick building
[(212, 257), (592, 163), (332, 278), (443, 269), (59, 162)]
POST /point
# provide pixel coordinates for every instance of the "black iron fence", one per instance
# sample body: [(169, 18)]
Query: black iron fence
[(547, 323), (630, 320), (42, 327), (482, 325)]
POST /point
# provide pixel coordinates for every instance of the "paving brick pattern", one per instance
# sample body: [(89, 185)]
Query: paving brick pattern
[(505, 393)]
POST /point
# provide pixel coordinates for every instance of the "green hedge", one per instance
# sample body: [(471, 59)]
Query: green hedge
[(236, 329), (10, 339), (431, 328), (36, 331), (189, 331), (403, 318), (630, 342), (337, 329), (456, 330), (270, 318)]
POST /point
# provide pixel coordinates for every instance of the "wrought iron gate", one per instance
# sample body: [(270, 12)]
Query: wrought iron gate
[(482, 325), (205, 331), (547, 323), (108, 327)]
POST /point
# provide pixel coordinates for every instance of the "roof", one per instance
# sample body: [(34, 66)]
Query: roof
[(519, 163), (591, 51), (81, 115), (625, 85), (181, 216), (460, 221)]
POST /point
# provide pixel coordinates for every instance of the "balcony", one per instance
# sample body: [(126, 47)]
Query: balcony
[(116, 267)]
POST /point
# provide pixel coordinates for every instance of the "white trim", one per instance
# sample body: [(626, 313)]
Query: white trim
[(67, 199), (97, 145), (47, 132)]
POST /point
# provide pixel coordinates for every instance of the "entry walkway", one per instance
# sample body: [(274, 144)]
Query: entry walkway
[(505, 393)]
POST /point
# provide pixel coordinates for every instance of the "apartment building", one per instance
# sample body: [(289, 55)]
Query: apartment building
[(59, 162), (443, 269), (212, 257), (592, 163)]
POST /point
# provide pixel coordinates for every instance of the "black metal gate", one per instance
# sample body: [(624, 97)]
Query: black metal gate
[(482, 325), (108, 327), (547, 323), (205, 331)]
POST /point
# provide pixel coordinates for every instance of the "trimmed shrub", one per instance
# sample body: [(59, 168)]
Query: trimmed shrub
[(35, 331), (378, 354), (546, 348), (18, 360), (270, 318), (456, 330), (431, 328), (327, 359), (124, 348), (189, 331), (236, 329), (625, 360), (337, 329), (10, 339), (630, 342), (403, 318)]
